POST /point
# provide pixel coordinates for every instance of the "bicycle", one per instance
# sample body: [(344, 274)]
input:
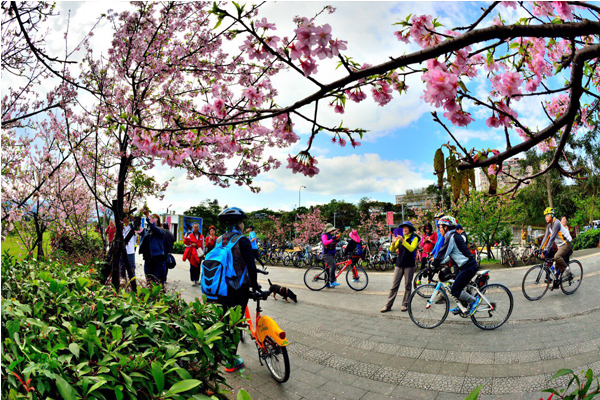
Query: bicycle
[(507, 256), (429, 305), (270, 340), (538, 278), (317, 277)]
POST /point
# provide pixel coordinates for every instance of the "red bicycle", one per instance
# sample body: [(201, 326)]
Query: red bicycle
[(317, 277)]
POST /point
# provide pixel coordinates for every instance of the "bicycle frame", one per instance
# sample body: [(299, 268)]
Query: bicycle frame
[(346, 264), (445, 286), (265, 326)]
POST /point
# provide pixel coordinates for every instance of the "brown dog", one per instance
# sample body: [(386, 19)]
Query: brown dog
[(282, 291)]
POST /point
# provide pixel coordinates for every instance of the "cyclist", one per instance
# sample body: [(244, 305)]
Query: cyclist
[(354, 248), (243, 259), (456, 249), (461, 232), (330, 237), (254, 243), (556, 232)]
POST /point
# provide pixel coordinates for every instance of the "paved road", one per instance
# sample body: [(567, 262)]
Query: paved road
[(343, 348)]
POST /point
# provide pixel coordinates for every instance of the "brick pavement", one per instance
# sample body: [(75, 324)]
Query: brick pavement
[(343, 348)]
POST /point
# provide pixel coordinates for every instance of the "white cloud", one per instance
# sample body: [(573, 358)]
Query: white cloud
[(354, 175)]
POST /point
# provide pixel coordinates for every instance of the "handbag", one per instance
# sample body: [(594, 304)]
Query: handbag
[(200, 252), (171, 261)]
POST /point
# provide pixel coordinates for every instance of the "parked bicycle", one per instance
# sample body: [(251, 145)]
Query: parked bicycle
[(270, 340), (429, 305), (507, 256), (317, 277), (539, 278)]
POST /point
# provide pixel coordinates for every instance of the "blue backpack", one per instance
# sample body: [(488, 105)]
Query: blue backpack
[(218, 272), (358, 250)]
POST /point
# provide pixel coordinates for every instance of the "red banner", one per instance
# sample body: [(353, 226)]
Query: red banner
[(390, 218)]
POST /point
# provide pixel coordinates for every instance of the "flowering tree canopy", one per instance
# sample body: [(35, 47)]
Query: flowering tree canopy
[(309, 227)]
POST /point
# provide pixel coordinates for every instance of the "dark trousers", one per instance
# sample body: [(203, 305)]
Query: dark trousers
[(156, 270), (194, 273), (463, 278), (329, 261), (257, 257), (236, 298)]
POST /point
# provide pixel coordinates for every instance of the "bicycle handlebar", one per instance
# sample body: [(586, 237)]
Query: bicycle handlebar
[(260, 295)]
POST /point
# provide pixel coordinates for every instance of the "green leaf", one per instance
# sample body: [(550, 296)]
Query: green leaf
[(96, 386), (474, 395), (13, 326), (159, 377), (183, 386), (45, 276), (561, 372), (65, 389), (117, 333), (243, 395), (74, 348)]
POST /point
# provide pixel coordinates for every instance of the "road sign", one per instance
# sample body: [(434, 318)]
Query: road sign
[(390, 218)]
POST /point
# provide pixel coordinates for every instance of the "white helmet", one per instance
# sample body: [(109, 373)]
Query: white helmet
[(447, 220)]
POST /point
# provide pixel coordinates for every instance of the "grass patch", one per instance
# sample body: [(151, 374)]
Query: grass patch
[(13, 246)]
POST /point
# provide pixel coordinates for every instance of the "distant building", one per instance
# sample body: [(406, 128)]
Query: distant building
[(414, 198), (510, 166)]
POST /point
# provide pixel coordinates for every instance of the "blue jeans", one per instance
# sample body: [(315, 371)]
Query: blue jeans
[(155, 270), (131, 258)]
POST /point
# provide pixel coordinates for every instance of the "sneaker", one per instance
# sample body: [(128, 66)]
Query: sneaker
[(355, 280), (385, 309), (334, 284), (567, 276), (474, 306), (455, 310), (328, 286), (239, 363)]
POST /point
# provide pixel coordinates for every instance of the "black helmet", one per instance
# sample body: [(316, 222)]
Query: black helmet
[(232, 215), (445, 274)]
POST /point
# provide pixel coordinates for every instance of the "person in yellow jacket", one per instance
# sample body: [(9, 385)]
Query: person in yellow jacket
[(405, 245)]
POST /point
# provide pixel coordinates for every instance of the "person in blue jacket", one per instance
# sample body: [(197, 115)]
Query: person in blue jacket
[(153, 249), (440, 237)]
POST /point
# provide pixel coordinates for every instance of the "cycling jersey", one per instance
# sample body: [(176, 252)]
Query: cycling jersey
[(454, 248), (555, 232)]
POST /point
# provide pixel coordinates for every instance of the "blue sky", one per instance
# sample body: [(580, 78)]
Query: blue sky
[(397, 152)]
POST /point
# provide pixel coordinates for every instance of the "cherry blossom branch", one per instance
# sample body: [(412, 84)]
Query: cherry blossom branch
[(481, 18), (10, 121), (436, 119)]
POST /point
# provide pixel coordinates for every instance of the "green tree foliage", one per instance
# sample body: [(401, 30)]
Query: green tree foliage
[(484, 217), (587, 240), (209, 211)]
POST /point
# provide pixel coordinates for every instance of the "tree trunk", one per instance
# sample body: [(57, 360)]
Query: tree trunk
[(549, 189), (39, 233)]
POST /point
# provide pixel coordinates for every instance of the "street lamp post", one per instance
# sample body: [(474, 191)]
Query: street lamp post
[(299, 190)]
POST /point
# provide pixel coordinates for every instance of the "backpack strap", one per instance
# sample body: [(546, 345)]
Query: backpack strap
[(232, 241)]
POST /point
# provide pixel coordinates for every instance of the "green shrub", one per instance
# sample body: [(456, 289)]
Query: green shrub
[(587, 240), (77, 249), (65, 335), (178, 248)]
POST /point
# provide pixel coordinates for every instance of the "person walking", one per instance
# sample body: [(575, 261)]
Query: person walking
[(153, 249), (330, 238), (194, 252), (405, 245), (110, 231), (211, 240), (253, 242)]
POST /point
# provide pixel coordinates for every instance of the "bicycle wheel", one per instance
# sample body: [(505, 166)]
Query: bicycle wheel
[(426, 315), (525, 256), (420, 279), (495, 307), (511, 259), (315, 278), (277, 360), (359, 281), (535, 283), (570, 285)]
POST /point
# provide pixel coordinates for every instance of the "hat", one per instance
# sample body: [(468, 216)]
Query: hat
[(459, 226), (354, 236), (407, 224), (212, 227), (328, 228)]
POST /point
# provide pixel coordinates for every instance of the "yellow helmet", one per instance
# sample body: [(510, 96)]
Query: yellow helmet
[(549, 210)]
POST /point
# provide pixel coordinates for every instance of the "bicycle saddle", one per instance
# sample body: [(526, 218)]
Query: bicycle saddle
[(485, 271)]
